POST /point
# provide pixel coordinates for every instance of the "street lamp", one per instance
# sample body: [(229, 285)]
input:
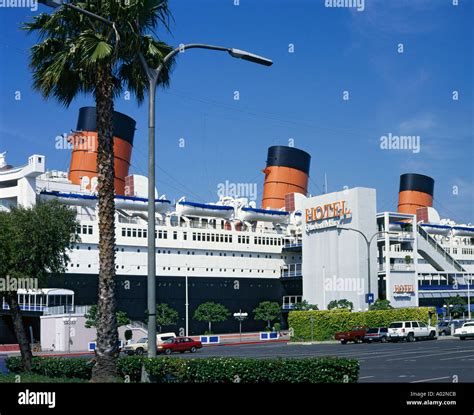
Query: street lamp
[(153, 77), (368, 242), (240, 317)]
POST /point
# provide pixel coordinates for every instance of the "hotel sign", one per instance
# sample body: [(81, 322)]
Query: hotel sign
[(403, 289), (326, 216)]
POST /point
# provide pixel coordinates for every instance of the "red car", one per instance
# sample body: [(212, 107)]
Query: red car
[(179, 344)]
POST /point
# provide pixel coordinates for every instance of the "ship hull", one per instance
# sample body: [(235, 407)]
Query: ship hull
[(234, 293)]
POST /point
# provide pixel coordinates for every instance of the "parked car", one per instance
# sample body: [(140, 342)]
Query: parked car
[(410, 331), (179, 344), (377, 334), (140, 347), (444, 327), (355, 335), (467, 330)]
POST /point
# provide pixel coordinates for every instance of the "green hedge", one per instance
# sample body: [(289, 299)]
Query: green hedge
[(326, 323), (206, 370)]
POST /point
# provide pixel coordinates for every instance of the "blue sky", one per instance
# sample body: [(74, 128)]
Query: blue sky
[(300, 97)]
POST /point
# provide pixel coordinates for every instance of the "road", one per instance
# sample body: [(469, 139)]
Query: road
[(444, 360)]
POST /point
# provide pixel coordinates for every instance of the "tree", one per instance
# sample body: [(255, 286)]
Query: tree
[(267, 311), (212, 313), (381, 305), (305, 306), (33, 244), (457, 306), (92, 318), (77, 54), (165, 315), (340, 304)]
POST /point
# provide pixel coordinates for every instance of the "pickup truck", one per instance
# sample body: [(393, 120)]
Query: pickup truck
[(355, 335)]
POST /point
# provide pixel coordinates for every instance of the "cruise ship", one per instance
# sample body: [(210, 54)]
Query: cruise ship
[(230, 250)]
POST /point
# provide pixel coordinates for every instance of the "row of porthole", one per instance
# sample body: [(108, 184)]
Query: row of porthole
[(179, 268), (159, 251), (192, 253)]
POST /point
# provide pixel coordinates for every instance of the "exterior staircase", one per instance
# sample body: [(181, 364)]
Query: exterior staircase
[(435, 254)]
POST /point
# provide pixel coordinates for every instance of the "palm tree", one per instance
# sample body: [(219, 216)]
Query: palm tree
[(76, 54)]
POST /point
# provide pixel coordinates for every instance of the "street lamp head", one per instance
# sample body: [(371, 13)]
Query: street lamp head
[(251, 57)]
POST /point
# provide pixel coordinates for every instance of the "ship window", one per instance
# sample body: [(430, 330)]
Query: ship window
[(139, 233), (222, 238), (175, 235), (164, 268), (159, 251), (144, 233), (129, 232), (179, 252), (211, 238), (198, 236), (165, 234), (155, 233), (248, 239), (88, 248), (138, 250), (179, 269), (212, 254), (193, 270), (138, 267), (169, 252), (185, 236), (207, 253), (89, 266), (134, 233), (250, 255), (122, 249), (242, 255), (194, 236), (233, 254), (123, 232)]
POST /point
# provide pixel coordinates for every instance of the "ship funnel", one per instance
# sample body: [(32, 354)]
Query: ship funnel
[(83, 167), (287, 171), (416, 191)]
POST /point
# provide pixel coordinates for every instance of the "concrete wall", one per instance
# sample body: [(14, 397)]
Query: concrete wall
[(59, 330), (335, 261)]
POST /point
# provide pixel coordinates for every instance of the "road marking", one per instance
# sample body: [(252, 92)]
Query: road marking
[(430, 355), (366, 377), (457, 357), (429, 380)]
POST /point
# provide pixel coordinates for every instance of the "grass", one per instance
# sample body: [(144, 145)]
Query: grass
[(33, 378)]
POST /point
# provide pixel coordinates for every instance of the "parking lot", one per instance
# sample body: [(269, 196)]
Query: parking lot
[(445, 360)]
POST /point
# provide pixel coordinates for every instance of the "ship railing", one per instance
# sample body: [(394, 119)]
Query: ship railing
[(291, 270), (69, 309), (290, 301)]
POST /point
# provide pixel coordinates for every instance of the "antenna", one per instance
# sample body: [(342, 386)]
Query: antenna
[(325, 183)]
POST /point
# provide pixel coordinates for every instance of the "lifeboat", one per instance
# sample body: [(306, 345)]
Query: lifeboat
[(433, 229), (463, 231), (121, 202), (249, 214), (184, 208)]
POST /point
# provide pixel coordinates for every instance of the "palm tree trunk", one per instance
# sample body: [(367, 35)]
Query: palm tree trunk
[(105, 369), (21, 337)]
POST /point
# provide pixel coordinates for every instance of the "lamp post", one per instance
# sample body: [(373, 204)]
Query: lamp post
[(153, 75), (240, 317), (368, 242)]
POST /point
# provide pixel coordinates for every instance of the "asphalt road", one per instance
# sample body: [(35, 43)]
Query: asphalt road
[(444, 360)]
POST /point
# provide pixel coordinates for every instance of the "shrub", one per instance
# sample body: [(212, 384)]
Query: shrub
[(206, 370), (55, 367), (238, 370), (326, 323)]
